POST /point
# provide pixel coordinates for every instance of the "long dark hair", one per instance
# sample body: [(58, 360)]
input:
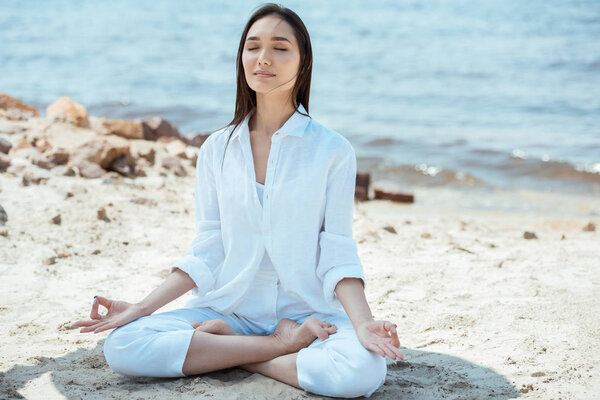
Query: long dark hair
[(245, 99)]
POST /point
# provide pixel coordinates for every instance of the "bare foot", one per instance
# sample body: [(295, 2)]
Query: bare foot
[(294, 336), (215, 326)]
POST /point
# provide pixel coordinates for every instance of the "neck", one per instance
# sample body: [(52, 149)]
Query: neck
[(272, 111)]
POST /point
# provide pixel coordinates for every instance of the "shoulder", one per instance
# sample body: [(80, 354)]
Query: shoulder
[(326, 138), (335, 146), (217, 138)]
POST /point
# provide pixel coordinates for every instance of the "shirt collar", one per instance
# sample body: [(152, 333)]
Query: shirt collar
[(295, 125)]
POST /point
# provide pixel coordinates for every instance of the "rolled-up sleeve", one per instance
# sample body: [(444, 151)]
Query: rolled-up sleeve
[(338, 257), (206, 252)]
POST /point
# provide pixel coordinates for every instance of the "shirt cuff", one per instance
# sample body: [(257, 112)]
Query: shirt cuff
[(199, 273), (336, 274)]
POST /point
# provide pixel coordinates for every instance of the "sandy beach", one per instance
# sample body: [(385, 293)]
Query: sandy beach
[(482, 312)]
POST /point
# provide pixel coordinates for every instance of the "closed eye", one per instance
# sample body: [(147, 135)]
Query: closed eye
[(254, 48)]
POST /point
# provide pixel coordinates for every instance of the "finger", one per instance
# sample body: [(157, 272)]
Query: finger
[(79, 324), (195, 324), (378, 350), (95, 314), (90, 328), (395, 340), (387, 351), (394, 351), (387, 325), (397, 352), (325, 324), (103, 327), (104, 302)]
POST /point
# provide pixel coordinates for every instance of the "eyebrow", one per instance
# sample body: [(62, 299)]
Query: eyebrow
[(274, 38)]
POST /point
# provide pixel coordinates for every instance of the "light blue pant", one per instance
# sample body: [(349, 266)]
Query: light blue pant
[(156, 345)]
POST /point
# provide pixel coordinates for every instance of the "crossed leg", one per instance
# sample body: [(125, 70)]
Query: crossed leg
[(337, 367)]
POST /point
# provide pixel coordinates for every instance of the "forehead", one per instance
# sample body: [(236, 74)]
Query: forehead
[(270, 26)]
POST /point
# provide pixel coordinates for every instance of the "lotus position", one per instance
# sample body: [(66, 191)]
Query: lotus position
[(277, 284)]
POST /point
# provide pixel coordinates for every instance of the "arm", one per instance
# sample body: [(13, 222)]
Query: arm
[(206, 252), (176, 284), (351, 293), (339, 266)]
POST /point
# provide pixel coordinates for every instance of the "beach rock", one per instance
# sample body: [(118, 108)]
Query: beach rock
[(41, 144), (15, 109), (144, 201), (23, 143), (176, 148), (390, 229), (103, 151), (123, 166), (49, 260), (138, 170), (156, 127), (91, 170), (426, 235), (3, 231), (590, 227), (101, 214), (195, 140), (65, 109), (173, 164), (529, 235), (148, 155), (3, 216), (361, 191), (42, 161), (123, 128), (5, 145), (390, 191), (28, 178), (59, 156), (56, 220), (64, 170), (4, 162)]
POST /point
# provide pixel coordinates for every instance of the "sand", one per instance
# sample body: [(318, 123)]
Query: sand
[(482, 312)]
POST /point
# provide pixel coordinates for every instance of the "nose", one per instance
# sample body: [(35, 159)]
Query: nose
[(263, 58)]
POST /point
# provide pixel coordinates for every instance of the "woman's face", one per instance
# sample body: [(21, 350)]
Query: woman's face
[(271, 47)]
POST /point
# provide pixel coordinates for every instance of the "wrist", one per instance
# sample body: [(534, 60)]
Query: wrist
[(144, 308), (362, 320)]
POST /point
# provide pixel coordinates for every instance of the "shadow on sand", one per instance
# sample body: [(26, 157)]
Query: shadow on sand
[(85, 374)]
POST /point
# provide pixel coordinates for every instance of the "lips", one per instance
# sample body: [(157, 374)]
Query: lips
[(264, 73)]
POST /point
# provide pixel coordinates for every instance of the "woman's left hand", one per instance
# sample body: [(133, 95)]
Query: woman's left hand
[(380, 337)]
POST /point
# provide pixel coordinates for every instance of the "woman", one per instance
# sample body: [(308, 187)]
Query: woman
[(278, 285)]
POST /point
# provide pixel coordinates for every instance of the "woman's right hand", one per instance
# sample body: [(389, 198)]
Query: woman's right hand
[(119, 313)]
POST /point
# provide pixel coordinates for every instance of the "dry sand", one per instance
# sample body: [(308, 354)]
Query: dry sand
[(481, 311)]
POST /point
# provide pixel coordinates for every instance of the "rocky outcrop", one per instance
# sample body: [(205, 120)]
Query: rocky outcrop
[(123, 128), (15, 109), (156, 127), (66, 110)]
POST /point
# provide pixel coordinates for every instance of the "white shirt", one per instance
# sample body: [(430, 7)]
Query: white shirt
[(304, 221)]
